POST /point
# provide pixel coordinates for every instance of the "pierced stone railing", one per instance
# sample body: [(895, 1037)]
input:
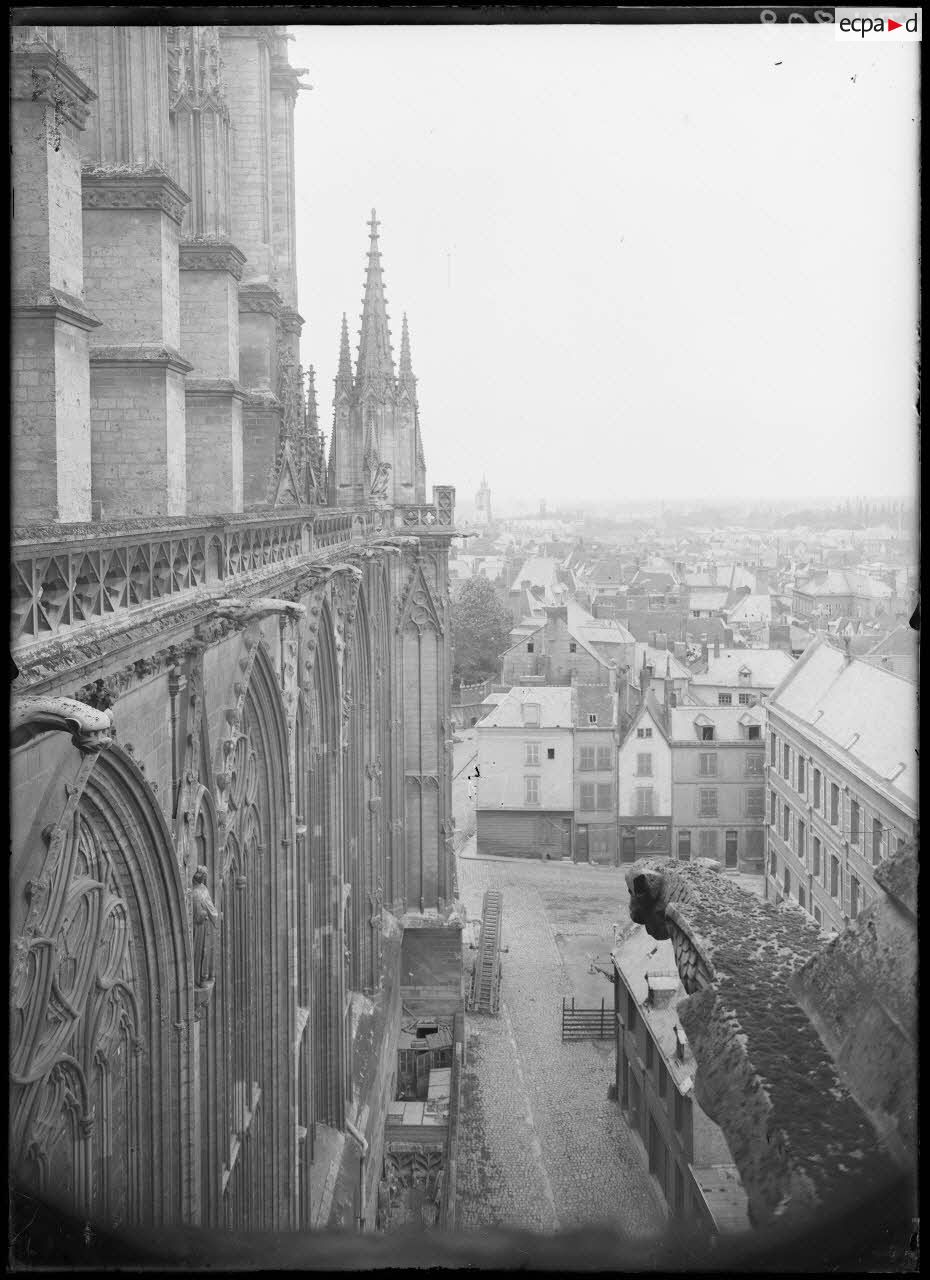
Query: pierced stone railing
[(440, 512), (65, 576)]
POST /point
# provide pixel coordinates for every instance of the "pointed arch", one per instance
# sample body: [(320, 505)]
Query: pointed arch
[(101, 1001), (251, 1018)]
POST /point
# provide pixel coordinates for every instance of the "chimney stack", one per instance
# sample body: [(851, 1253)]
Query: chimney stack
[(680, 649), (704, 648), (662, 989), (652, 639), (716, 646)]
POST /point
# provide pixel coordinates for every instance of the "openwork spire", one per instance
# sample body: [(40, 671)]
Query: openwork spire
[(375, 357), (405, 373), (345, 355)]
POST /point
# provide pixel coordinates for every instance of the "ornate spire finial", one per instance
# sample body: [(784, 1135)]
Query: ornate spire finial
[(405, 373), (345, 354), (375, 357)]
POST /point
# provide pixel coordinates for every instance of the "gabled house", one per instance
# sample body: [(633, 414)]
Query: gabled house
[(644, 785), (569, 644)]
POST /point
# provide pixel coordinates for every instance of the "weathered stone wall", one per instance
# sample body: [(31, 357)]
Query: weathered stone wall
[(801, 1142), (246, 736), (860, 993)]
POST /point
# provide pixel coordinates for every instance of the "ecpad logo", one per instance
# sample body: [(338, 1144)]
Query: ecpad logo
[(878, 24)]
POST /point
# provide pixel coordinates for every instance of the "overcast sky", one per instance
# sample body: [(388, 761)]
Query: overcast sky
[(635, 261)]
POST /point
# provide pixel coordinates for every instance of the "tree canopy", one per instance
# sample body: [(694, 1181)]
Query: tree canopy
[(481, 626)]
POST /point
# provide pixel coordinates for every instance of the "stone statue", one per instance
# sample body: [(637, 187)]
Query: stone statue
[(206, 919)]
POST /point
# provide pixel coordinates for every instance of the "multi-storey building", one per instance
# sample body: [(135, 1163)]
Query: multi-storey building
[(644, 785), (594, 717), (525, 798), (231, 858), (718, 784), (842, 780), (683, 1149)]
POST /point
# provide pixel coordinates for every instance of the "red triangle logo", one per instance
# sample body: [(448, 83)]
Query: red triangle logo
[(892, 25)]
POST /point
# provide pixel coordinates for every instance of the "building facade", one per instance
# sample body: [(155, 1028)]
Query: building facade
[(644, 785), (231, 821), (841, 774), (594, 714), (525, 800), (718, 785)]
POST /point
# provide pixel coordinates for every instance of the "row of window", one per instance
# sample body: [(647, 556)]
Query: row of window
[(531, 713), (826, 798), (708, 732), (829, 872), (532, 751), (595, 758), (708, 801), (743, 699), (596, 796)]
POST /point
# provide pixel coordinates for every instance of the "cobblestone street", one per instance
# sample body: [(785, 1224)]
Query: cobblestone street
[(540, 1144)]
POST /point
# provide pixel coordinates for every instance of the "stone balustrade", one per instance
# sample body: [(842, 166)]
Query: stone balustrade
[(64, 576)]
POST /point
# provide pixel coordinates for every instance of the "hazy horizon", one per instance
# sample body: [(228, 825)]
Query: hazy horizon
[(683, 257)]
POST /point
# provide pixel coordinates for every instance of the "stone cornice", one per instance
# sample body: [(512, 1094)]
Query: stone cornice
[(260, 298), (262, 399), (146, 354), (128, 187), (39, 74), (291, 320), (54, 304), (205, 255), (219, 387)]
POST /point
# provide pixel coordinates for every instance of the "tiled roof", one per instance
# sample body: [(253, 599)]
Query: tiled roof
[(554, 702), (595, 630), (752, 608), (865, 713), (594, 699), (708, 597), (540, 571), (766, 666), (663, 661)]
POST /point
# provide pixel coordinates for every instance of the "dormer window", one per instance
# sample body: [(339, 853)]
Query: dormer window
[(531, 713), (592, 717), (707, 732), (530, 648)]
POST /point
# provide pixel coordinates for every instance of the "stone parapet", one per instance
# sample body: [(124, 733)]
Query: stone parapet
[(797, 1135)]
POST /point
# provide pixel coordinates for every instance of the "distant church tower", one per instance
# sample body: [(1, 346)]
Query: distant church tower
[(483, 504), (376, 453)]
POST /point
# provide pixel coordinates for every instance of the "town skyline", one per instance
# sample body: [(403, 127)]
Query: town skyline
[(658, 240)]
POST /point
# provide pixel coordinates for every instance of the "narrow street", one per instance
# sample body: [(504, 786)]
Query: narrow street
[(540, 1144)]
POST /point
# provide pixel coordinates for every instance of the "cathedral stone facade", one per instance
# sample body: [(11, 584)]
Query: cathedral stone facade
[(231, 734)]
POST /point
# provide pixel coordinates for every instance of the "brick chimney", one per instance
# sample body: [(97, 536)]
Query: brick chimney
[(661, 640), (716, 646), (663, 988)]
